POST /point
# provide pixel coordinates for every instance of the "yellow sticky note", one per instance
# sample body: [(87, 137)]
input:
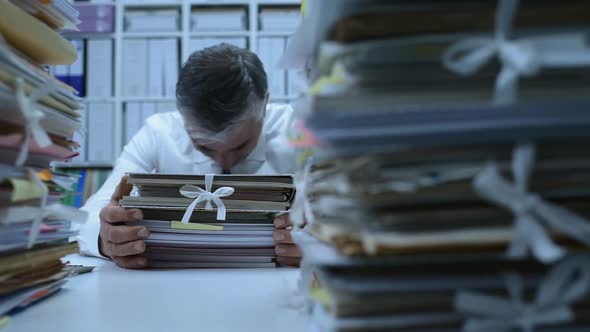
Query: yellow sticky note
[(194, 226), (23, 190), (321, 295), (3, 321), (45, 175)]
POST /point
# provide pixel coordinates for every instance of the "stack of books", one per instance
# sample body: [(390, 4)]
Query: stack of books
[(210, 221), (39, 115), (446, 191)]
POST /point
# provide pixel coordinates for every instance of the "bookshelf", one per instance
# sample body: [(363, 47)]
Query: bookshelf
[(183, 36)]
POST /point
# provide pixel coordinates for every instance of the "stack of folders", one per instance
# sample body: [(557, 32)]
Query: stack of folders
[(57, 14), (186, 232), (38, 116), (449, 187)]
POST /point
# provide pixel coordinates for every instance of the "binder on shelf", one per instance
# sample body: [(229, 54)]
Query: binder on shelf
[(171, 60), (157, 66), (96, 18), (152, 20), (99, 68), (100, 132), (279, 19), (135, 61), (270, 49), (219, 19), (133, 120)]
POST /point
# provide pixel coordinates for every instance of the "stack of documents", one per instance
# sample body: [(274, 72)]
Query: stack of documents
[(38, 117), (448, 187), (58, 14), (186, 232)]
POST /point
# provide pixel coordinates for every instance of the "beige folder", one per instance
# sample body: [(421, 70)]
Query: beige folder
[(33, 37)]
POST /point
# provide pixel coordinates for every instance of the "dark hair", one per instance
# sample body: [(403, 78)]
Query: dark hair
[(218, 84)]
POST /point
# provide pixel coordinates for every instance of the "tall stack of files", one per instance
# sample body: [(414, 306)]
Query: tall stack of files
[(449, 187), (57, 14), (38, 117), (235, 231)]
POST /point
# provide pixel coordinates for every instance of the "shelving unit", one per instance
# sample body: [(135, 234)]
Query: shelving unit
[(184, 36)]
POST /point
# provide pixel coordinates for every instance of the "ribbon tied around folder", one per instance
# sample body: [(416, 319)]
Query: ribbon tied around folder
[(523, 57), (32, 117), (205, 195), (301, 211), (530, 210), (566, 283)]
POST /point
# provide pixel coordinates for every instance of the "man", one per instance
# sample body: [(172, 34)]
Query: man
[(224, 124)]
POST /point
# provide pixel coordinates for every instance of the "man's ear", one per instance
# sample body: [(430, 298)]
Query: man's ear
[(266, 98)]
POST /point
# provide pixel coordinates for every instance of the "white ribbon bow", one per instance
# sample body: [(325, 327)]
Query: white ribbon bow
[(301, 211), (565, 284), (206, 195), (32, 117), (524, 57), (530, 210)]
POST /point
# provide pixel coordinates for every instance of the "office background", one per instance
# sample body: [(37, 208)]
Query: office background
[(130, 53)]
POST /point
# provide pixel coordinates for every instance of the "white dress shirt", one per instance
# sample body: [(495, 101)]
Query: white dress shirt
[(163, 146)]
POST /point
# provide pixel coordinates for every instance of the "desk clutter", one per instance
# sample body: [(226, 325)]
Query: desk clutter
[(210, 221), (39, 115), (448, 188)]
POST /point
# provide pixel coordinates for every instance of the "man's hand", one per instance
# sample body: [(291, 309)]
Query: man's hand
[(123, 244), (288, 254)]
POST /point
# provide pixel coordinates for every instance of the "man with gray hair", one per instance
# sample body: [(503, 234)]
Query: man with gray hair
[(224, 124)]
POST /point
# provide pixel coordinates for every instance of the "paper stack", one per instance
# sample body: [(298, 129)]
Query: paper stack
[(185, 232), (443, 196), (57, 14), (39, 115)]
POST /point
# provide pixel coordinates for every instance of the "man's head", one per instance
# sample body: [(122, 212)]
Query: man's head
[(222, 93)]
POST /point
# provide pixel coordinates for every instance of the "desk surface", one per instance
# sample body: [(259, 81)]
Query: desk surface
[(114, 299)]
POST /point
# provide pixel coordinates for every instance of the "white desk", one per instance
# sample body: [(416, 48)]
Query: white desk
[(114, 299)]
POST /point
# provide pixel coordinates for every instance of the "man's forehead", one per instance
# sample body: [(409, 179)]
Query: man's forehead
[(233, 136)]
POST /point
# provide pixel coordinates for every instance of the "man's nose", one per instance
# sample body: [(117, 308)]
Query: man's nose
[(225, 160)]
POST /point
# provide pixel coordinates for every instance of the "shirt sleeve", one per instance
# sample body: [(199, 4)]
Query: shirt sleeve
[(138, 156)]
